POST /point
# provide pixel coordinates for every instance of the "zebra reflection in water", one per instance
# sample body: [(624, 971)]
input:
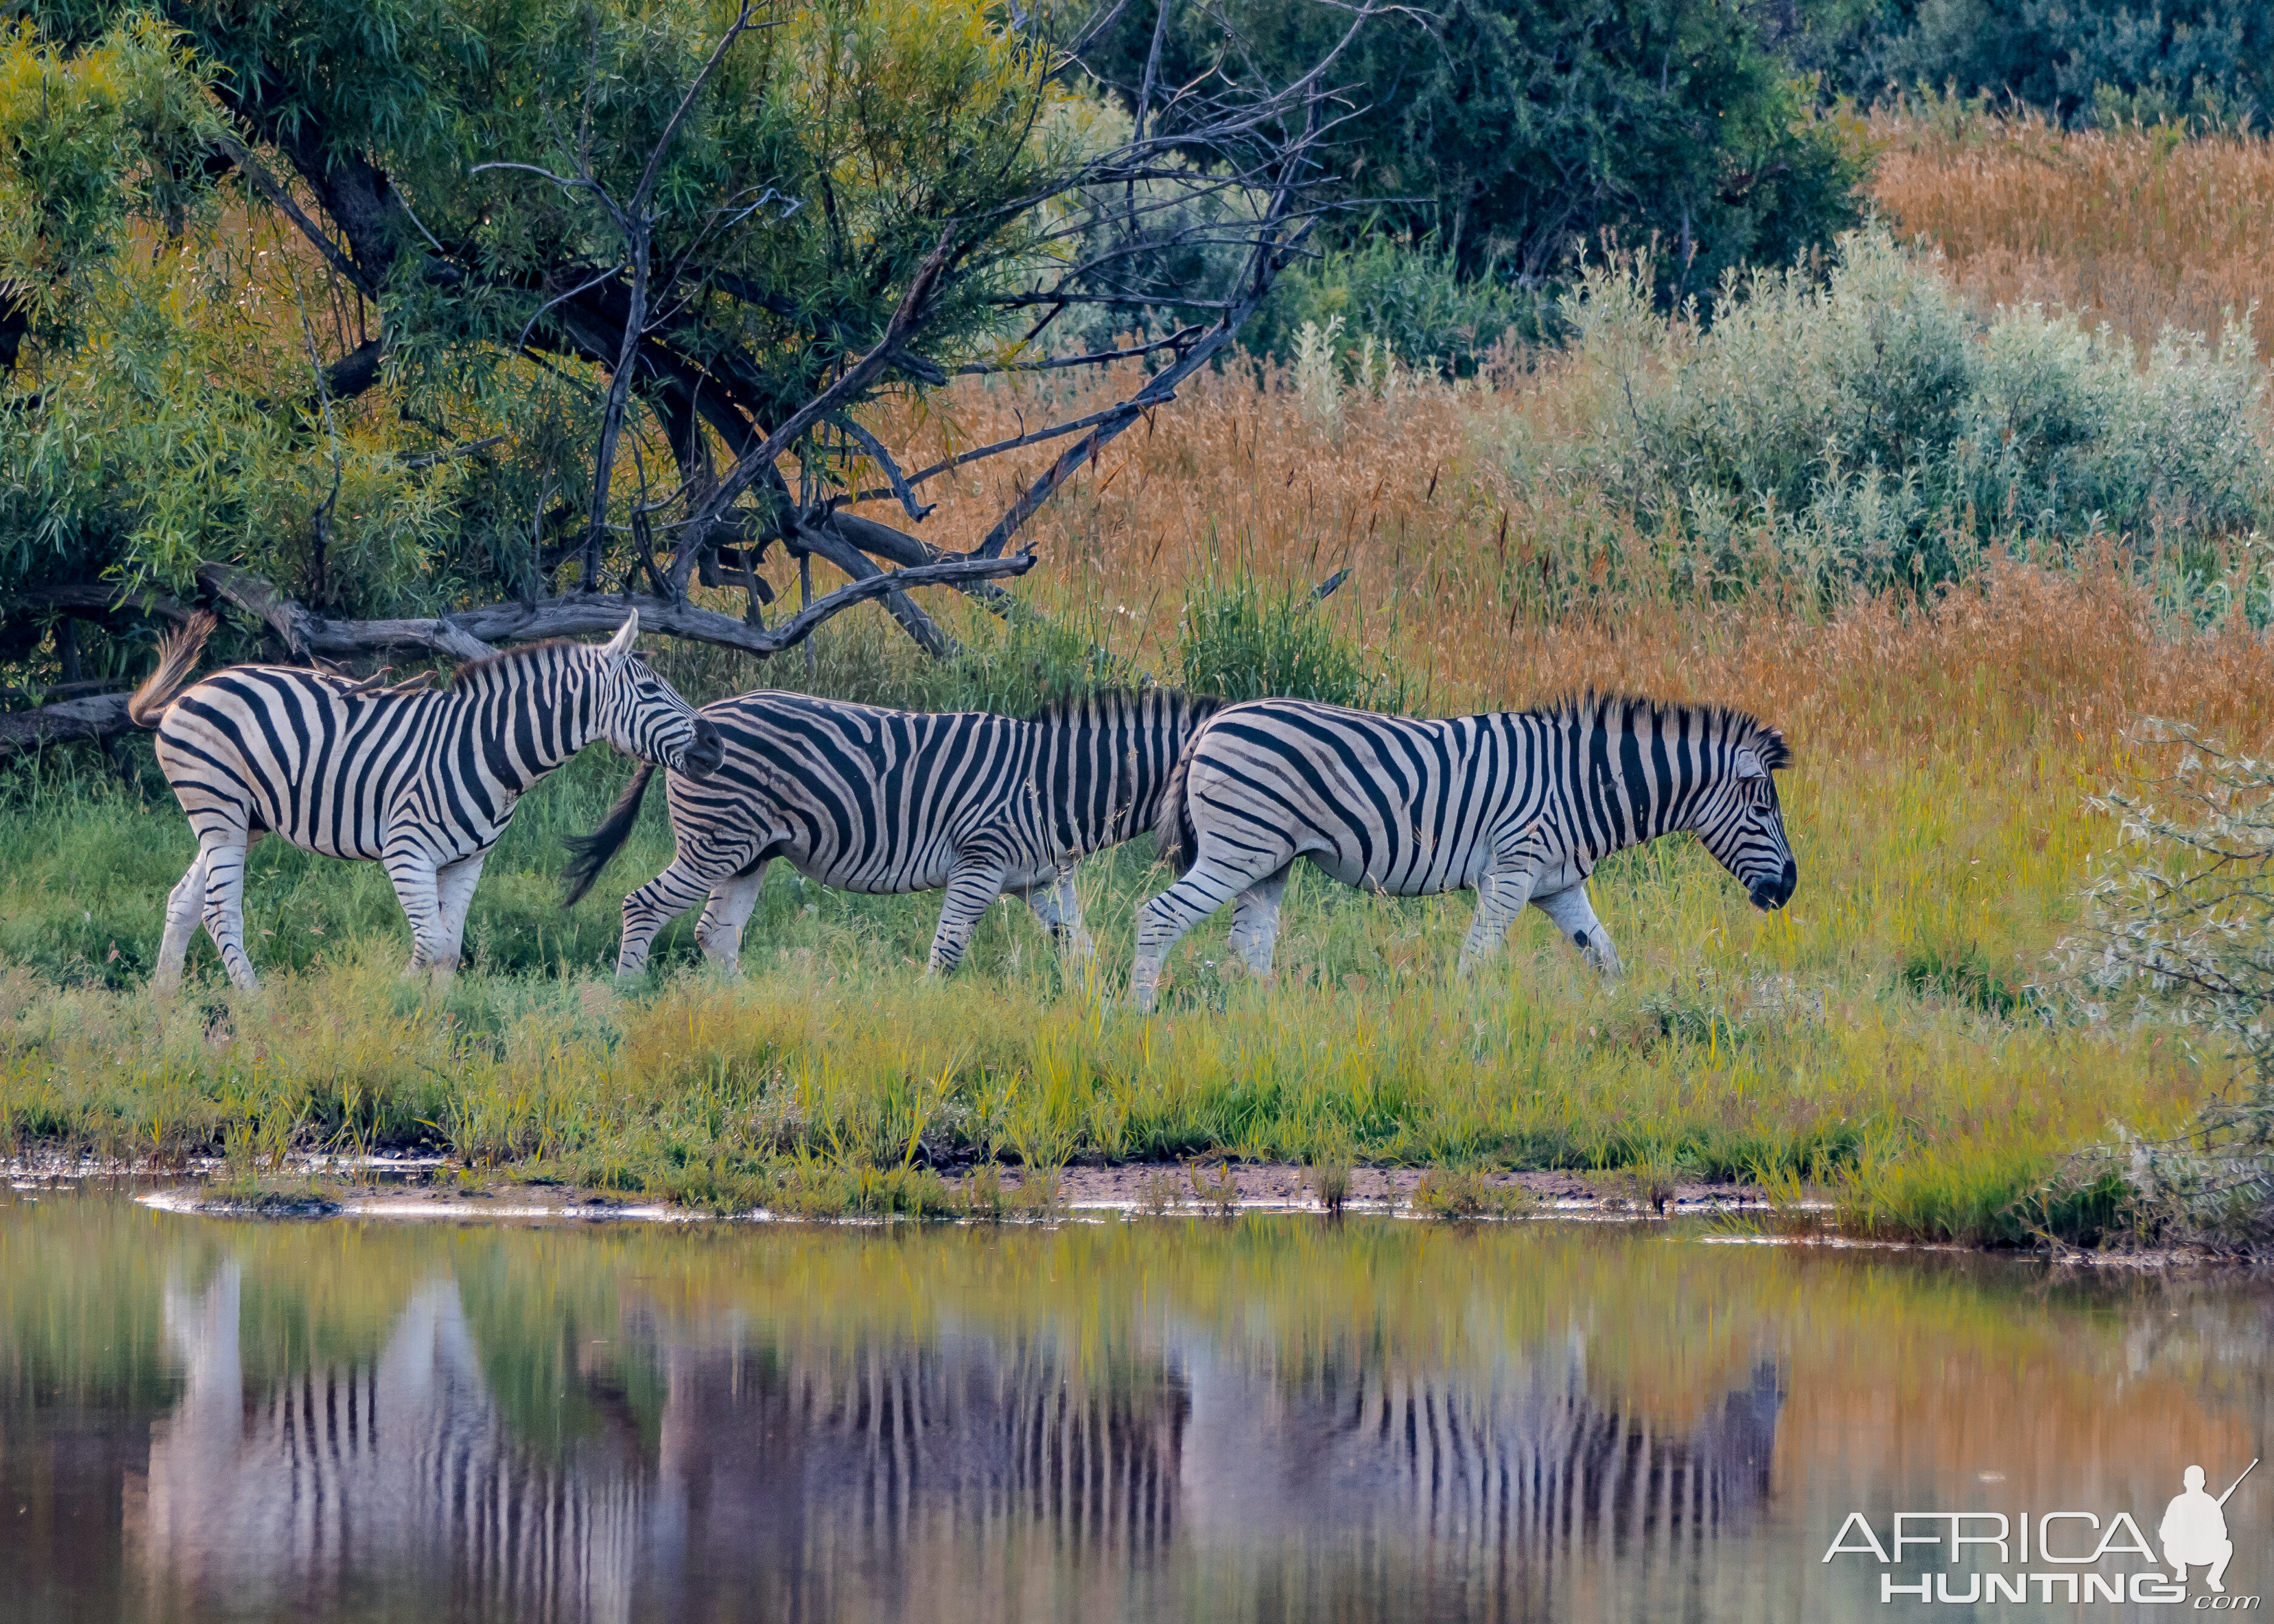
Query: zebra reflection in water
[(944, 1480)]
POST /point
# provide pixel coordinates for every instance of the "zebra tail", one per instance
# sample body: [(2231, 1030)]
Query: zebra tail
[(1173, 827), (590, 854), (178, 655)]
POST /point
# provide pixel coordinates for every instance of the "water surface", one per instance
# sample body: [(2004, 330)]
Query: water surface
[(1271, 1419)]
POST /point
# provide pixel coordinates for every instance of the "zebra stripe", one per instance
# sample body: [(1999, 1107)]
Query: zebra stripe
[(881, 801), (423, 782), (1518, 806)]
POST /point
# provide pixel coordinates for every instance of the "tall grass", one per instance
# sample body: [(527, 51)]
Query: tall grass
[(2141, 229), (1858, 1039), (1881, 1035)]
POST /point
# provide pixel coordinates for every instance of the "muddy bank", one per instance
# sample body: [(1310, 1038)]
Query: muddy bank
[(416, 1187)]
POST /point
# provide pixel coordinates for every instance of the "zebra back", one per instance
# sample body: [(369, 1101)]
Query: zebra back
[(874, 800), (338, 768), (1416, 806)]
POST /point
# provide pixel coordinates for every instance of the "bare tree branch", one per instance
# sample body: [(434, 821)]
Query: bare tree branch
[(1097, 358), (469, 634), (1097, 26), (901, 485), (463, 634), (103, 598), (1056, 431), (98, 717), (832, 545), (854, 378), (896, 546), (1158, 391)]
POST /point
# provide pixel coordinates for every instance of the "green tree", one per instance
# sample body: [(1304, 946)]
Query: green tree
[(1513, 130), (426, 324), (2080, 60)]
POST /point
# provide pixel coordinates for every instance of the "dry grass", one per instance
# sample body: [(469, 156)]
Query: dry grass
[(1870, 1035), (2136, 226), (1476, 581), (1877, 1034)]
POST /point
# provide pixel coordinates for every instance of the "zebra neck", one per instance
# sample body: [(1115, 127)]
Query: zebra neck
[(1624, 808), (528, 723)]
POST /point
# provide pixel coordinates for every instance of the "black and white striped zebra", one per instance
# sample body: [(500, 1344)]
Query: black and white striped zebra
[(422, 781), (876, 800), (1517, 805)]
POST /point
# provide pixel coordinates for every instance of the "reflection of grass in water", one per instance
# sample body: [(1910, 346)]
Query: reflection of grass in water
[(81, 1315)]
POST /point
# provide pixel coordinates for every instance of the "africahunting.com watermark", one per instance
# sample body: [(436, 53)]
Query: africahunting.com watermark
[(2056, 1558)]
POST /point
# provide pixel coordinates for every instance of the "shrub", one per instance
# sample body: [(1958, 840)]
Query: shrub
[(1242, 639), (1886, 436), (1414, 302), (1018, 667), (2179, 931)]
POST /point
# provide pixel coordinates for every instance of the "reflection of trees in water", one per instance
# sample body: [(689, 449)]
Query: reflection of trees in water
[(968, 1475)]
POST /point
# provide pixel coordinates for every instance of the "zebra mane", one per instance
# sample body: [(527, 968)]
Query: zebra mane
[(466, 671), (1117, 701), (1625, 712)]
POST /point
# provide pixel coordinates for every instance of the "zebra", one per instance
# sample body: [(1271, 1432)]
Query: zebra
[(1518, 806), (423, 782), (877, 800)]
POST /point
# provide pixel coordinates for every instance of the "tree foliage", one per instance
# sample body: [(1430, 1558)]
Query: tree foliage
[(341, 312), (1512, 130), (2080, 60)]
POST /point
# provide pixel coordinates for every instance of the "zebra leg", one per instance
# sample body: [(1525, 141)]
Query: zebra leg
[(225, 907), (719, 931), (182, 906), (413, 874), (1059, 909), (655, 904), (1255, 921), (1207, 886), (973, 884), (453, 890), (1500, 897), (1575, 916)]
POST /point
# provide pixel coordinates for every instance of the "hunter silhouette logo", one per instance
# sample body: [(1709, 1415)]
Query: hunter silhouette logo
[(2194, 1529), (2064, 1556)]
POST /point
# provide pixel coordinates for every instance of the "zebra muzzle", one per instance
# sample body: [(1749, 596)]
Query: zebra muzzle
[(703, 755), (1768, 894)]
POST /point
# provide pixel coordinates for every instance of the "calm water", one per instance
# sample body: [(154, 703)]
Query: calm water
[(1267, 1419)]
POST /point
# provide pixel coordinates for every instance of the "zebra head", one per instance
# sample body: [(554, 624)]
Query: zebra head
[(642, 714), (1738, 818)]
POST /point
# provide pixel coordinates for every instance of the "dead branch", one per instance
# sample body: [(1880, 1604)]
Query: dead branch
[(98, 717)]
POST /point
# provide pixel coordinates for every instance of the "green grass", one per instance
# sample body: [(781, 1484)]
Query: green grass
[(1867, 1041)]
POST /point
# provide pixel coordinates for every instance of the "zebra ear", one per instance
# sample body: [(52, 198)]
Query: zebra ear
[(620, 644), (1749, 764)]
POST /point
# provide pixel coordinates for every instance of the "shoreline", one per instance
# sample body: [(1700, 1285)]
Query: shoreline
[(433, 1189)]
